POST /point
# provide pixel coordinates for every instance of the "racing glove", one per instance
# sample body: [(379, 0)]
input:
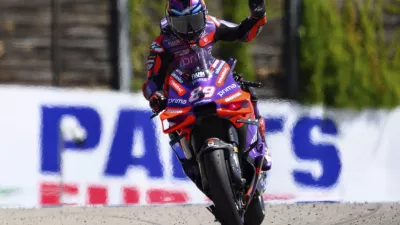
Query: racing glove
[(257, 8), (157, 102)]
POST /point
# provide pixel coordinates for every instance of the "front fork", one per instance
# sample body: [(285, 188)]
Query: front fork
[(187, 161), (194, 168)]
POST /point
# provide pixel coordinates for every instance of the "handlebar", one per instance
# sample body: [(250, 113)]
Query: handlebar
[(244, 83), (251, 84)]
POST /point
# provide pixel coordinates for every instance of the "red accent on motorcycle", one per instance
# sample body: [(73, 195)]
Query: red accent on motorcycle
[(174, 127), (223, 75), (177, 87), (234, 106), (170, 113)]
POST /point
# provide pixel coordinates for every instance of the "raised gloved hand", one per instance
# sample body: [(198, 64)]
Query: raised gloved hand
[(157, 102), (257, 8)]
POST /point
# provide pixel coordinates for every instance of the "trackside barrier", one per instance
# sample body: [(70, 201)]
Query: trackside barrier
[(319, 154)]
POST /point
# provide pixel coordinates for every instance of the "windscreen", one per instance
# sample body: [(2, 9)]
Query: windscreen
[(202, 59)]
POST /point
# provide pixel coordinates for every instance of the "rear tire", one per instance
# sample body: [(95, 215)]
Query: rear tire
[(220, 188), (256, 212)]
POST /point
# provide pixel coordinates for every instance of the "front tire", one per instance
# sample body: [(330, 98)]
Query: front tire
[(220, 188), (256, 212)]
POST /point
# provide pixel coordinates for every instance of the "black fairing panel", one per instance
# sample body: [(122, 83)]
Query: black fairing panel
[(209, 125)]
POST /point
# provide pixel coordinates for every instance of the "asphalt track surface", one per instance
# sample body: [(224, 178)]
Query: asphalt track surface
[(297, 214)]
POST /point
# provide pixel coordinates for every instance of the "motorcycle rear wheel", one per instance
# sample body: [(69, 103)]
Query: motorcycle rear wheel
[(220, 187)]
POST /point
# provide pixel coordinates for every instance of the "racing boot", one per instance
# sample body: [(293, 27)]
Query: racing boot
[(267, 162)]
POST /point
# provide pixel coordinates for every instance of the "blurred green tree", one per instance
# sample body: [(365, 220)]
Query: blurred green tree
[(145, 27), (346, 60), (235, 11)]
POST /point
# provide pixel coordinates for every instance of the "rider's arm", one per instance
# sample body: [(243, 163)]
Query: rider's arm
[(157, 67), (248, 29)]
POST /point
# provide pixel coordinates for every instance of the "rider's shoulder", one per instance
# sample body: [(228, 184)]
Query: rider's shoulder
[(214, 20), (218, 22)]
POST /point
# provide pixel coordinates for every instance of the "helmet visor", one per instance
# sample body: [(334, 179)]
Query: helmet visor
[(189, 23)]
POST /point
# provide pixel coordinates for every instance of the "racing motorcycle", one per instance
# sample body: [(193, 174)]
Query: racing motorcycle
[(211, 118)]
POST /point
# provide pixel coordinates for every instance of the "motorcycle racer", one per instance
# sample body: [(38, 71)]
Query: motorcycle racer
[(187, 22)]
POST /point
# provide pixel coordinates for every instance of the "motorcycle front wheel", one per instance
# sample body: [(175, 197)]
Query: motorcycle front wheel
[(220, 188), (256, 212)]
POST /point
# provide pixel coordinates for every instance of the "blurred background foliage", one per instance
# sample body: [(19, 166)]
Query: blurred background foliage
[(348, 59), (145, 26), (238, 50)]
